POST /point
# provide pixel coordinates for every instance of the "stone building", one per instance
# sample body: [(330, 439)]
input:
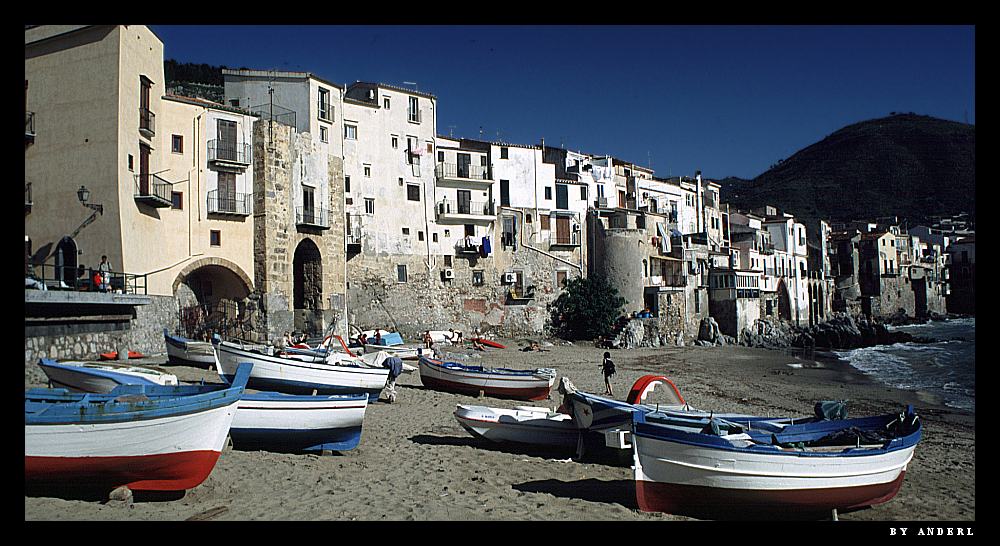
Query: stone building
[(962, 275)]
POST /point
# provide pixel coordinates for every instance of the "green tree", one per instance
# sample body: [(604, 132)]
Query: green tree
[(588, 307)]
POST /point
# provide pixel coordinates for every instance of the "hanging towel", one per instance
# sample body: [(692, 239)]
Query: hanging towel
[(485, 249)]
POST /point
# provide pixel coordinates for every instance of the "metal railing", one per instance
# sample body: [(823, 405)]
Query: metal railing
[(221, 150), (477, 208), (314, 216), (53, 277), (147, 120), (27, 195), (568, 239), (470, 172), (273, 112), (325, 110), (413, 115), (667, 280), (150, 186), (230, 203), (29, 124)]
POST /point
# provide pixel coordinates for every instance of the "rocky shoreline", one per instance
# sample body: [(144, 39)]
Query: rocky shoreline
[(843, 331)]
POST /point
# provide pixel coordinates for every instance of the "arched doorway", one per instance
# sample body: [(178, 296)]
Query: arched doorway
[(784, 301), (307, 287), (213, 297), (66, 261)]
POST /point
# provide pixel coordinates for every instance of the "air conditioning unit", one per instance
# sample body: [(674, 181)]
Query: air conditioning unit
[(449, 273), (510, 277)]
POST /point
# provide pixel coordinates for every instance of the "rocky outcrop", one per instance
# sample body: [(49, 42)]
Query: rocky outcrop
[(843, 331)]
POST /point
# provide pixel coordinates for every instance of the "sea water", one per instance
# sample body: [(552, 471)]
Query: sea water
[(945, 367)]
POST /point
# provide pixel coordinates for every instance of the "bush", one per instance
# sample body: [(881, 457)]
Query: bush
[(587, 308)]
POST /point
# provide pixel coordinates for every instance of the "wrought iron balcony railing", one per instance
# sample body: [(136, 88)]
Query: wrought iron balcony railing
[(152, 190), (147, 121), (228, 152), (27, 197), (469, 172), (325, 110), (29, 125), (472, 208), (312, 217), (240, 204), (565, 239)]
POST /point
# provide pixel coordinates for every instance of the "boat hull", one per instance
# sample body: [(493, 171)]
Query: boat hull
[(185, 350), (682, 477), (437, 375), (292, 376), (163, 454), (298, 423), (83, 377), (538, 428)]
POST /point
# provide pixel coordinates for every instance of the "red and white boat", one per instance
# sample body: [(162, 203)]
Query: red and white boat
[(145, 437), (500, 382), (523, 425)]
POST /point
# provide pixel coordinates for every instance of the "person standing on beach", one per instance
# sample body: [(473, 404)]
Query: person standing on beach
[(608, 367)]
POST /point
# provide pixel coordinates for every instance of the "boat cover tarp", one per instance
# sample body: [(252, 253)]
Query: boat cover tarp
[(831, 410)]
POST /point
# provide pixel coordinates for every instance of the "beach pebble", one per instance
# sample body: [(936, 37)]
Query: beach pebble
[(121, 495)]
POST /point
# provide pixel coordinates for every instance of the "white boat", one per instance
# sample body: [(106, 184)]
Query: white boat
[(182, 349), (145, 437), (500, 382), (100, 377), (523, 424), (293, 423), (784, 467), (376, 360), (329, 375)]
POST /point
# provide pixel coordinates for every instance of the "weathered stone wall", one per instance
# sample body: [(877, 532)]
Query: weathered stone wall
[(144, 334), (622, 265), (895, 297)]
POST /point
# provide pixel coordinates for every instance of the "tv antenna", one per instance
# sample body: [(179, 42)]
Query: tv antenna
[(414, 84), (451, 131)]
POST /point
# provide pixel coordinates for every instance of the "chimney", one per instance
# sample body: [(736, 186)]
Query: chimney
[(700, 209)]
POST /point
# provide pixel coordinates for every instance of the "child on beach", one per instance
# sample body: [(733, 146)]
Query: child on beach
[(608, 367)]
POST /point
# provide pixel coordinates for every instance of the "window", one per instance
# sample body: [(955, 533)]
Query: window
[(177, 144), (447, 260), (503, 153), (470, 230), (527, 218), (215, 237), (146, 117), (395, 142), (412, 149), (368, 171), (413, 113), (347, 183), (406, 231), (401, 273), (504, 193), (430, 147), (412, 192), (434, 237), (447, 233), (325, 110), (131, 163), (385, 103), (322, 135), (544, 219), (482, 160), (477, 277), (420, 235), (350, 132), (370, 206), (583, 193), (548, 192), (234, 102), (561, 277), (176, 200), (440, 156)]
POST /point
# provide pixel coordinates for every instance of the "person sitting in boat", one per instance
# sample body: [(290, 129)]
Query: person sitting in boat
[(362, 339), (378, 337), (478, 346)]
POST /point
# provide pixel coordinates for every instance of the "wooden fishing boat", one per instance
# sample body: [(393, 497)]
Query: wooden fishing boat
[(787, 467), (488, 342), (523, 424), (500, 382), (98, 377), (145, 437), (293, 423), (184, 350), (331, 374)]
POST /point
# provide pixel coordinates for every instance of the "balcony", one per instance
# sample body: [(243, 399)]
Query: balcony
[(27, 197), (475, 177), (767, 248), (230, 155), (353, 230), (557, 240), (230, 203), (29, 126), (152, 190), (465, 212), (312, 217), (147, 122), (671, 281)]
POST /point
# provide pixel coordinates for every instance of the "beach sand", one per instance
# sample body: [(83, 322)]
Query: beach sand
[(416, 463)]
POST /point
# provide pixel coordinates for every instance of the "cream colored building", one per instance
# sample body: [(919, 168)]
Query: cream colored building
[(101, 122)]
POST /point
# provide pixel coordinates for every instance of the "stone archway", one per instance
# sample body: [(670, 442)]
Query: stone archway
[(211, 296), (307, 287), (784, 301), (65, 261)]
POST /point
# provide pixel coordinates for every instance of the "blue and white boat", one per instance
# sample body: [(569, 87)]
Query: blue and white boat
[(183, 350), (337, 373), (100, 377), (145, 437), (291, 423)]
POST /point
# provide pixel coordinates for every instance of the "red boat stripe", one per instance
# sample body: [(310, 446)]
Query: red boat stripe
[(164, 472)]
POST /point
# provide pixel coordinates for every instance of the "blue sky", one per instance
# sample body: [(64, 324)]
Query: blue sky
[(726, 100)]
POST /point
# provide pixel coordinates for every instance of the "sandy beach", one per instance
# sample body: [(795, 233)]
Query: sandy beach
[(416, 463)]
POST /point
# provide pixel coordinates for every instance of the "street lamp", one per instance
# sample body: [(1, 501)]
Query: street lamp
[(83, 194)]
